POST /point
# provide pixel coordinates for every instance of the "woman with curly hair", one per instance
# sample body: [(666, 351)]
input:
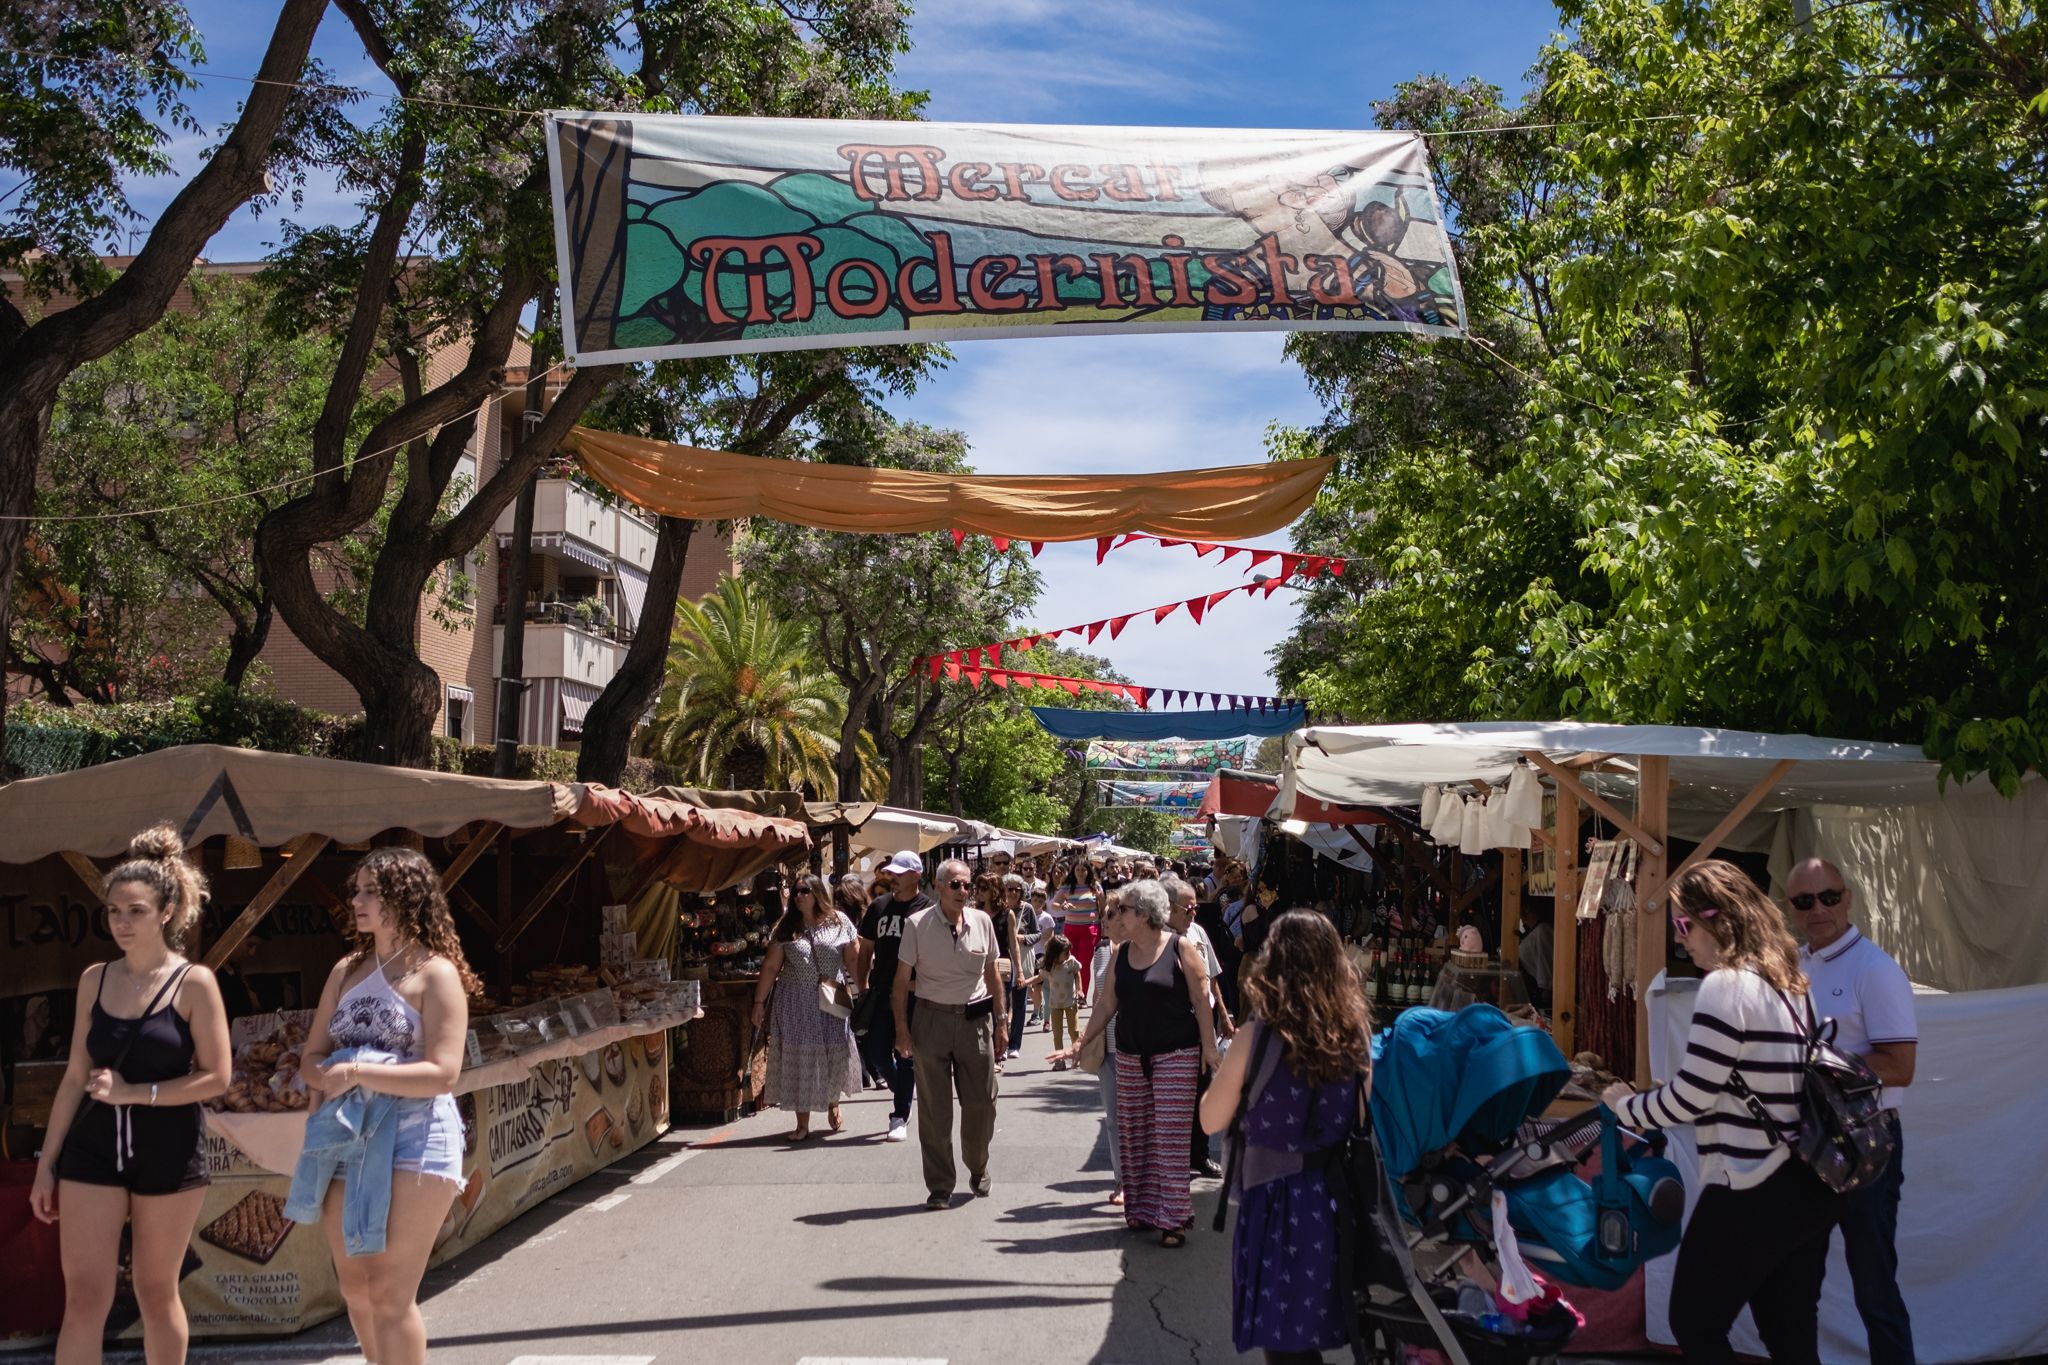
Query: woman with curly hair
[(1307, 1015), (402, 995), (1759, 1234), (126, 1138)]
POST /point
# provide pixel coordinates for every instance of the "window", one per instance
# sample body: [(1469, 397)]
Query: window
[(459, 699)]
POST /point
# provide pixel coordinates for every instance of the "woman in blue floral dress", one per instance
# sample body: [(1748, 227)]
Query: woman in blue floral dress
[(1284, 1294), (811, 1059)]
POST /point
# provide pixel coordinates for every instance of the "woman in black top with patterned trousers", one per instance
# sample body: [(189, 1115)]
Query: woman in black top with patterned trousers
[(125, 1144)]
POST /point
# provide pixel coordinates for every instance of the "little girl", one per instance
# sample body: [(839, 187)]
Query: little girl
[(1062, 980)]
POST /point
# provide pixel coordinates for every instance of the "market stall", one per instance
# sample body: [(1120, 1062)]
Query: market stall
[(563, 893)]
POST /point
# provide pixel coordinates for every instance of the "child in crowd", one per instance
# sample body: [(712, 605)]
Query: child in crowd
[(1062, 981)]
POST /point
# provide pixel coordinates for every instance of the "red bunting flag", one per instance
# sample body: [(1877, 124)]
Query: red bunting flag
[(1290, 565), (1337, 567), (1169, 544), (953, 667), (1196, 606), (959, 539), (1103, 547), (934, 662), (1216, 597), (1000, 678), (1203, 549), (1313, 565), (1260, 557), (973, 672), (1230, 550), (1117, 624), (1142, 696), (1161, 613), (1095, 629), (1072, 685), (995, 655), (1002, 544), (1036, 546)]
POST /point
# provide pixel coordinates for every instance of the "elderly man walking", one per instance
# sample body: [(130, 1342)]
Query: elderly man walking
[(961, 1027), (1182, 919), (1868, 996)]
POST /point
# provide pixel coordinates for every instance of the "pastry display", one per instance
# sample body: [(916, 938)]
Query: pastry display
[(266, 1070), (600, 1127), (254, 1228)]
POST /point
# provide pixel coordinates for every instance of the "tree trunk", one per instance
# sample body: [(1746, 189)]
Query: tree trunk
[(245, 644), (749, 770), (512, 659), (608, 729), (35, 360)]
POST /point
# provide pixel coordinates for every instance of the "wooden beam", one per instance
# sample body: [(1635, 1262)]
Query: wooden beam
[(1568, 780), (554, 886), (471, 851), (1543, 837), (1510, 907), (1476, 890), (1712, 843), (475, 909), (1653, 809), (88, 873), (1564, 939), (298, 854)]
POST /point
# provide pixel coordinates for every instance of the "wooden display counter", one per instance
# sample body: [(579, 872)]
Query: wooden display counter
[(719, 1072)]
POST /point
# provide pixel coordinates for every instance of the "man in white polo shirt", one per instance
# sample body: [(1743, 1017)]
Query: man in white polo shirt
[(959, 1030), (1856, 984)]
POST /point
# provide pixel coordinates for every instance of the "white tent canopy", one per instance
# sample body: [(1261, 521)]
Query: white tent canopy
[(1389, 765), (893, 829)]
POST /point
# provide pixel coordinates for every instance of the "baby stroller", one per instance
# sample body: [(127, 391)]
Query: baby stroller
[(1454, 1105)]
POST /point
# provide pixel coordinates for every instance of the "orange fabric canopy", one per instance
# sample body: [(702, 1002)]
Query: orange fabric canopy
[(1230, 503)]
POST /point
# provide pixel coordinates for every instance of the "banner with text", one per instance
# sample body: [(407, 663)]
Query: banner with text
[(687, 236), (1170, 755)]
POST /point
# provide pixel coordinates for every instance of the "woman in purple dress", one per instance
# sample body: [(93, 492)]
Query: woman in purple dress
[(811, 1059), (1284, 1295)]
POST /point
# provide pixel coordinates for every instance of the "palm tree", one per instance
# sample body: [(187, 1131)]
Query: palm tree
[(744, 704)]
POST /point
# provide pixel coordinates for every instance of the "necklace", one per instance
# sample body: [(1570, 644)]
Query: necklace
[(142, 986)]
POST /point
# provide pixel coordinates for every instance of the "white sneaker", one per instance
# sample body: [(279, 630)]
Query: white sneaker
[(899, 1130)]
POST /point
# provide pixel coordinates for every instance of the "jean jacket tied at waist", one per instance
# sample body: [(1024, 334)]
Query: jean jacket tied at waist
[(353, 1135)]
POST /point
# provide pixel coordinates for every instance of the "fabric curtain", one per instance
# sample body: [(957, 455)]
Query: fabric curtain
[(1230, 503)]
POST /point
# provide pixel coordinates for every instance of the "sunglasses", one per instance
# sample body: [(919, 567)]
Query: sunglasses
[(1831, 898), (805, 891), (1682, 924), (961, 884)]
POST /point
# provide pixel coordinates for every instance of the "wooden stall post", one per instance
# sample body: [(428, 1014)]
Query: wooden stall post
[(1511, 907), (1653, 813), (1564, 949)]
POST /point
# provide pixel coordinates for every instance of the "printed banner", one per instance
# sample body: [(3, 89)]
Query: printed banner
[(252, 1271), (689, 236), (1158, 795), (1170, 755), (1191, 836)]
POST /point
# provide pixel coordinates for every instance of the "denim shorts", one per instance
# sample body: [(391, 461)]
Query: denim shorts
[(429, 1140)]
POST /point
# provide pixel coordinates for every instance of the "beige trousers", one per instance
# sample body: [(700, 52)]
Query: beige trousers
[(955, 1056)]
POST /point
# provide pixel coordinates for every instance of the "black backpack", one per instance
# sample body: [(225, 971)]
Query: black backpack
[(1844, 1132)]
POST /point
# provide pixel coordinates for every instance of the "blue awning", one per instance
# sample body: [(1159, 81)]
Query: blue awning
[(1225, 723)]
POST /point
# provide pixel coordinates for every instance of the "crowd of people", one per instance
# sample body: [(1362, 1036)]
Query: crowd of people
[(927, 995)]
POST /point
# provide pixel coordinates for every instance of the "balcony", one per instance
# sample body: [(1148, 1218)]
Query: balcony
[(571, 522), (565, 649), (589, 615)]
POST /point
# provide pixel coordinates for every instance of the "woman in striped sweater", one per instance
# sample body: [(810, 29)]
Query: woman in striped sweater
[(1759, 1233)]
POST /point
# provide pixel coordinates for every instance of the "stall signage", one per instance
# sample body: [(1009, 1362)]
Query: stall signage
[(692, 236)]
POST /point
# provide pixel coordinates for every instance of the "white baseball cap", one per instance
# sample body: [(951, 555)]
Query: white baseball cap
[(903, 862)]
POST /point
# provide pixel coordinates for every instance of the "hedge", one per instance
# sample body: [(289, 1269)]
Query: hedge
[(44, 739)]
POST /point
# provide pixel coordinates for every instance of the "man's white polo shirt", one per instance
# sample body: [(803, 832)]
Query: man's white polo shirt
[(1856, 984)]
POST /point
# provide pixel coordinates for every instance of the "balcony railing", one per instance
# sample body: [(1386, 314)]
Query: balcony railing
[(597, 621)]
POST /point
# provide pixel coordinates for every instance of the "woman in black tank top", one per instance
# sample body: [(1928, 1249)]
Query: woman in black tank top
[(125, 1143), (1157, 999)]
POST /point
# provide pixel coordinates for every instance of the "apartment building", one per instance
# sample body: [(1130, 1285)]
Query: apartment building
[(587, 585)]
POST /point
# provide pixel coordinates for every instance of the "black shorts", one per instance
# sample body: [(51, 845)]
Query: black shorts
[(164, 1151)]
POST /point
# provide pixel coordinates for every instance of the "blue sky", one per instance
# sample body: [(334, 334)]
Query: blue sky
[(1088, 403)]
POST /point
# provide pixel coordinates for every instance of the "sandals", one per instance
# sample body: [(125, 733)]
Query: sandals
[(1173, 1237), (836, 1119), (799, 1135)]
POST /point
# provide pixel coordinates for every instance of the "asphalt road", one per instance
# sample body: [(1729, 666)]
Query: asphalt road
[(731, 1245)]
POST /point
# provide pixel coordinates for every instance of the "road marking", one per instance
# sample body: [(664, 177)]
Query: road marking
[(868, 1360), (581, 1360), (667, 1164), (608, 1203)]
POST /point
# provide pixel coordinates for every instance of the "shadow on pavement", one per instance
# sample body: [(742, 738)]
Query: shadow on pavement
[(841, 1217), (807, 1314)]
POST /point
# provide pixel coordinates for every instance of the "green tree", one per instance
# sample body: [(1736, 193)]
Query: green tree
[(206, 413), (1136, 827), (1775, 299), (461, 165), (875, 604), (89, 98), (744, 704)]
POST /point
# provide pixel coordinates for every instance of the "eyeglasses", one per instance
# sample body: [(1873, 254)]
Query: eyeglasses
[(1831, 898), (961, 884)]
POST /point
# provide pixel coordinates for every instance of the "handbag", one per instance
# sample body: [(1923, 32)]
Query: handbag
[(834, 999), (1093, 1054)]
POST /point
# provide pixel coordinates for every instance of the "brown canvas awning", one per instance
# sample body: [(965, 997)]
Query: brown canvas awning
[(1229, 503), (269, 799)]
